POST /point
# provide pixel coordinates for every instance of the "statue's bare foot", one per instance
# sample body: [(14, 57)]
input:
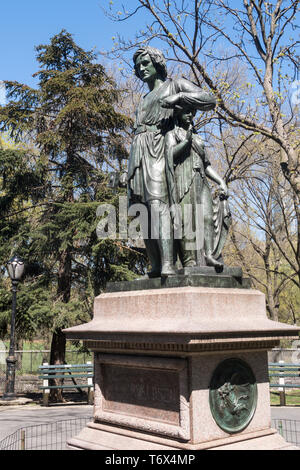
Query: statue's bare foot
[(167, 270), (190, 264), (213, 262)]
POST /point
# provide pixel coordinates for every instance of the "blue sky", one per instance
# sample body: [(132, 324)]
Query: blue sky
[(28, 23)]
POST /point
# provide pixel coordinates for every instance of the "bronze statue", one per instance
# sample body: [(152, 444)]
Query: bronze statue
[(147, 172)]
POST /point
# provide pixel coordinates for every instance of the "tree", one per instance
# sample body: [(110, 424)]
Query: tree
[(77, 132), (203, 35), (21, 181), (266, 233)]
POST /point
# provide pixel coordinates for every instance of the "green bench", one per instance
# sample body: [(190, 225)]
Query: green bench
[(67, 373), (281, 370)]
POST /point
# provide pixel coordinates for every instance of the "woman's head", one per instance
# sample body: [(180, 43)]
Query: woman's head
[(157, 58)]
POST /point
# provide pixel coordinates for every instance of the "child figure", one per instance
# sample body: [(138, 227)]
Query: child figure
[(187, 168)]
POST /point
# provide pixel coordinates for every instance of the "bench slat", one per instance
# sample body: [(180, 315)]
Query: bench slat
[(285, 385), (63, 366), (283, 364), (67, 372), (65, 386), (73, 376), (284, 375)]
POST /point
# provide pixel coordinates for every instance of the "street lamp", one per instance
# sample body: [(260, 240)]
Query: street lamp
[(15, 268)]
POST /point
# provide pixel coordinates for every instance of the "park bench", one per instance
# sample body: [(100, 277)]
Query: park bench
[(282, 370), (67, 372)]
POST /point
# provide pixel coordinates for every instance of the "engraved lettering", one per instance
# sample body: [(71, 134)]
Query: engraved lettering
[(142, 392)]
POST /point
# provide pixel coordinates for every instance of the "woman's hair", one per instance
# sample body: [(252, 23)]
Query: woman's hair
[(157, 58)]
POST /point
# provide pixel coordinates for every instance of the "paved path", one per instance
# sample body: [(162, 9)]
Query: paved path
[(13, 418), (285, 412)]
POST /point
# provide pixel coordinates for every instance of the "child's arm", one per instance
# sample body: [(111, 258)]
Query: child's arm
[(213, 175), (184, 146)]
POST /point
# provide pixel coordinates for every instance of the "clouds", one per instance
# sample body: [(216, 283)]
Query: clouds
[(2, 93)]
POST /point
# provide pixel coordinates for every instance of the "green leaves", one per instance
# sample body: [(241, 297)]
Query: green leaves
[(50, 190)]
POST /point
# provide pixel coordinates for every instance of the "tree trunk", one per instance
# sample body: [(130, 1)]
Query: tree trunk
[(272, 304), (58, 344), (57, 357)]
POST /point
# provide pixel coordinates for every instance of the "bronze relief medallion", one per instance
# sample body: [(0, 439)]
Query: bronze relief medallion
[(233, 395)]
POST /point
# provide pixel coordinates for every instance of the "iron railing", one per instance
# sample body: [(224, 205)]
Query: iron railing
[(289, 429), (53, 436), (29, 361), (48, 436)]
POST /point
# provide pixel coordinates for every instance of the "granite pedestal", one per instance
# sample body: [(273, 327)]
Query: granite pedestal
[(181, 364)]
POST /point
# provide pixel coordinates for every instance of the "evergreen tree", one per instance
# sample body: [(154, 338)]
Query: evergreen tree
[(72, 119), (21, 181)]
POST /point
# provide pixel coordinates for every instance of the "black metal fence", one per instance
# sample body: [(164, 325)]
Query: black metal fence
[(49, 436), (27, 367), (53, 436), (289, 429), (28, 361)]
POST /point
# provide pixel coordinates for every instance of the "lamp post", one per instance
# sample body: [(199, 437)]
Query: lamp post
[(15, 268)]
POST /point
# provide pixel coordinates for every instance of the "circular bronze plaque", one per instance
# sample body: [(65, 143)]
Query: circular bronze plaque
[(233, 395)]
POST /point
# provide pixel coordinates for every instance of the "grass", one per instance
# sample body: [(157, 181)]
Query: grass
[(32, 361), (292, 398)]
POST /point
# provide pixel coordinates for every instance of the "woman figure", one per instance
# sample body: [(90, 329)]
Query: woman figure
[(147, 182)]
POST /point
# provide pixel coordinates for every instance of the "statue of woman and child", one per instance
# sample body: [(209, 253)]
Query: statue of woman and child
[(168, 171)]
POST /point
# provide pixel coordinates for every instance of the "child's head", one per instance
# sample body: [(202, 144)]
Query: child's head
[(185, 115)]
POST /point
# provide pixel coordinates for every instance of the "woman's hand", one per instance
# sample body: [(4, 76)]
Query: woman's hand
[(170, 101)]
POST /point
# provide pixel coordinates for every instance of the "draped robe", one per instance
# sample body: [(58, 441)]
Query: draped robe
[(147, 167)]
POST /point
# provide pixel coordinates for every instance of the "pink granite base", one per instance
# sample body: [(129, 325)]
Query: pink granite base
[(182, 315), (100, 437), (155, 355)]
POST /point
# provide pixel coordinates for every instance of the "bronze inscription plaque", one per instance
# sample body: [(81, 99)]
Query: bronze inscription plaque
[(144, 393)]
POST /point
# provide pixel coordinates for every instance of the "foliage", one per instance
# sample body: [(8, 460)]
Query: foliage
[(214, 38), (50, 194), (265, 234), (292, 398)]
